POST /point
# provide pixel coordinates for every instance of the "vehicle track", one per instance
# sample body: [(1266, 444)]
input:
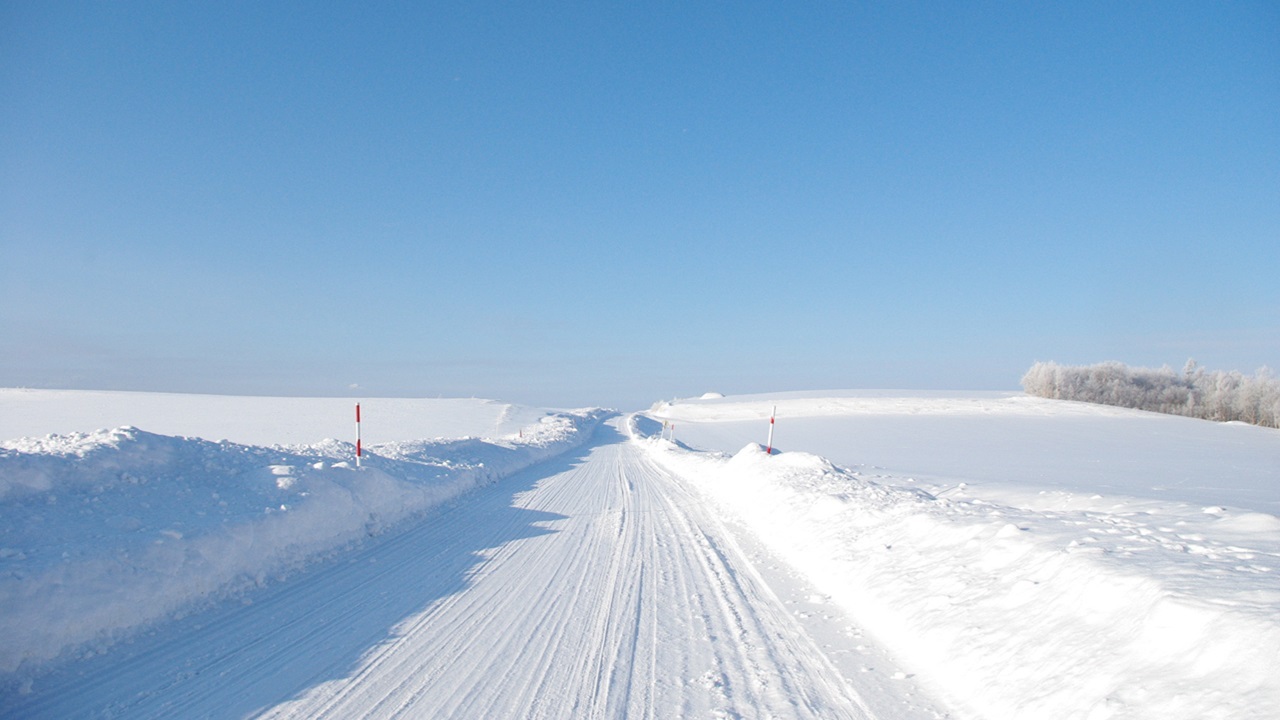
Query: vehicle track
[(595, 586)]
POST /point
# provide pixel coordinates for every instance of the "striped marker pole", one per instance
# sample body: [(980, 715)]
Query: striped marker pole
[(769, 450), (359, 450)]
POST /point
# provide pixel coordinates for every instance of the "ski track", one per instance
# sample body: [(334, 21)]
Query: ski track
[(602, 588)]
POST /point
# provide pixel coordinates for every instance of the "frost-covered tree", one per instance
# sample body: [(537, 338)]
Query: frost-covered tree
[(1195, 392)]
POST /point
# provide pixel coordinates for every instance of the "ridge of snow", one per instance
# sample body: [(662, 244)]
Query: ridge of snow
[(1158, 611), (108, 531)]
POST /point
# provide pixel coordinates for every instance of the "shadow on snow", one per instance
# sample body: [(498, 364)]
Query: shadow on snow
[(273, 645)]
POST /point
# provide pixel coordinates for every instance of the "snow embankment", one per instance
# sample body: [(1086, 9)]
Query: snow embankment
[(108, 531), (1014, 612)]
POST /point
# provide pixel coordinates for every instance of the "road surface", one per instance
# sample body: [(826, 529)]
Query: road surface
[(593, 586)]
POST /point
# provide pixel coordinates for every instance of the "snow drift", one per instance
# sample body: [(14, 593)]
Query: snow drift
[(1087, 609), (108, 531)]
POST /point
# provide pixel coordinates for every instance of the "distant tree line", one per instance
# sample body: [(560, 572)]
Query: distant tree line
[(1194, 392)]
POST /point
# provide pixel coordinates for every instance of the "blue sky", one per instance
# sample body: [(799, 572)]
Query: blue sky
[(609, 203)]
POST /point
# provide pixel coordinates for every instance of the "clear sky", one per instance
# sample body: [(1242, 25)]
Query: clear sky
[(610, 203)]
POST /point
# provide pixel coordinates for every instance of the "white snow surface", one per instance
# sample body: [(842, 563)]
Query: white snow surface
[(595, 585), (1024, 557), (107, 531), (992, 554), (256, 420)]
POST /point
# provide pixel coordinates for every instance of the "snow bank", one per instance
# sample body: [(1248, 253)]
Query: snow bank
[(1158, 611), (107, 531)]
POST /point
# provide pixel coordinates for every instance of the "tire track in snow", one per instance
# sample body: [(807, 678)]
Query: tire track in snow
[(603, 588), (582, 591)]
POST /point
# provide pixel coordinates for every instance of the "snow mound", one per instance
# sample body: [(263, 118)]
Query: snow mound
[(711, 396), (1015, 612), (108, 531)]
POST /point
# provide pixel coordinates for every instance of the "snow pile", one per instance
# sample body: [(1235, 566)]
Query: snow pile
[(107, 531), (1089, 609)]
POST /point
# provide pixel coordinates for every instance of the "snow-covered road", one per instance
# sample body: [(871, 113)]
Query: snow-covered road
[(595, 585)]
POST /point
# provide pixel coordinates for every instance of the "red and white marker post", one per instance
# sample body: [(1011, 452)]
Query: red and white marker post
[(359, 450), (769, 450)]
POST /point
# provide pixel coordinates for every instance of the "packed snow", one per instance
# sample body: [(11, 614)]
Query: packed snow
[(110, 530), (1027, 557)]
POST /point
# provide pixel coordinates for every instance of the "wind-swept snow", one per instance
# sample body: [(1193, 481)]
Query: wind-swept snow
[(960, 540)]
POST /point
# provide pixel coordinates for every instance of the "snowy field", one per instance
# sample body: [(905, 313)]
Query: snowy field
[(1026, 557), (905, 556), (108, 527), (256, 420)]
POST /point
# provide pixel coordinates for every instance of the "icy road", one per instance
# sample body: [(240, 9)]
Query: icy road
[(595, 585)]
